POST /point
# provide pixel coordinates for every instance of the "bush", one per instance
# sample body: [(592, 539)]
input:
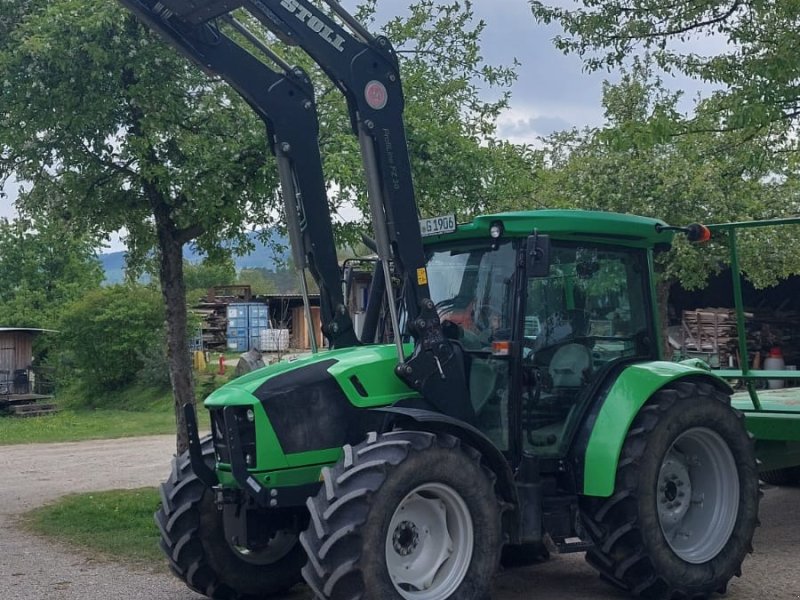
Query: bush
[(104, 336)]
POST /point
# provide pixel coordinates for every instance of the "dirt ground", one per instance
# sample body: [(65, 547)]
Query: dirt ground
[(38, 569)]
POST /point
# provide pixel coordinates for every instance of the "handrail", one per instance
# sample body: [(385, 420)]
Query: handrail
[(746, 373)]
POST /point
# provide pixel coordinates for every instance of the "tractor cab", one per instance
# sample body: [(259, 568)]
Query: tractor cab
[(539, 339)]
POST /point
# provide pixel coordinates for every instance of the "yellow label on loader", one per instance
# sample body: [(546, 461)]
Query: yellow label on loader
[(422, 276)]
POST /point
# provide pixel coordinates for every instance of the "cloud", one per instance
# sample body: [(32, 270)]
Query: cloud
[(525, 129)]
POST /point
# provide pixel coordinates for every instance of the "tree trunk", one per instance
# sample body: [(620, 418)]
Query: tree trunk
[(663, 287), (173, 290)]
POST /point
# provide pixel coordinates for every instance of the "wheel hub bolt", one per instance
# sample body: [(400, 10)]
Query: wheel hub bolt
[(405, 538)]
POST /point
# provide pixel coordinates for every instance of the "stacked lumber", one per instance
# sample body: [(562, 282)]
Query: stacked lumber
[(711, 331), (213, 324)]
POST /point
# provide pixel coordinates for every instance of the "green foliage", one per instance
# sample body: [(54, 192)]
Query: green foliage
[(42, 269), (207, 274), (278, 281), (750, 48), (450, 124), (116, 525), (154, 366), (259, 280), (103, 335), (95, 106), (643, 161)]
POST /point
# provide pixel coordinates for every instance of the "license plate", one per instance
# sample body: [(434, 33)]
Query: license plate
[(437, 225)]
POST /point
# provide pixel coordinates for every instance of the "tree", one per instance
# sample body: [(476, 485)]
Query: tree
[(119, 129), (258, 280), (747, 49), (208, 273), (42, 269), (101, 114), (458, 163), (640, 162)]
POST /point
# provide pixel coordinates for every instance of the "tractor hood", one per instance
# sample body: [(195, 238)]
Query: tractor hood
[(365, 375), (316, 402)]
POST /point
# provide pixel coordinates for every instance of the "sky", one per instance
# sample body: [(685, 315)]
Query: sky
[(552, 92)]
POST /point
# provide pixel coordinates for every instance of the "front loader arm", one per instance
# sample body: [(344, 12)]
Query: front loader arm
[(285, 102), (365, 69)]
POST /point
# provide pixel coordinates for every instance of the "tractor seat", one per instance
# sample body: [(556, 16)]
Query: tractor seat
[(569, 366)]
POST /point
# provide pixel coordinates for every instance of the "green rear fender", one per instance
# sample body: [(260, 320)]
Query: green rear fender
[(634, 386)]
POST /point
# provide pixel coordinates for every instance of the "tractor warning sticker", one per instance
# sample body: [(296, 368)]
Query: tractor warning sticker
[(422, 276)]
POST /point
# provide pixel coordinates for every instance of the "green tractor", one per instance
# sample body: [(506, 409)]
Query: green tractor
[(577, 438), (503, 398)]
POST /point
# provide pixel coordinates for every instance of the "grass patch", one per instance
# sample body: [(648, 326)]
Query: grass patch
[(76, 425), (116, 525), (131, 412)]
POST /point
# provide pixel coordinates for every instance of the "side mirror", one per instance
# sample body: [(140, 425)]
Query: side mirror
[(537, 255)]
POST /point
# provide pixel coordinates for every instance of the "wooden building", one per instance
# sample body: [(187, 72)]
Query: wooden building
[(16, 350), (17, 393)]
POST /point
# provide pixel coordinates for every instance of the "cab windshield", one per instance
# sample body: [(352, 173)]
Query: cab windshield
[(472, 287)]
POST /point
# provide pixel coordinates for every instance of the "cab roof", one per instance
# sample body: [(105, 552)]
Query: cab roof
[(580, 225)]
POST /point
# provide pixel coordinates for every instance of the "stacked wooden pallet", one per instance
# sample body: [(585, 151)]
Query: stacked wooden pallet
[(711, 332), (27, 405), (213, 324)]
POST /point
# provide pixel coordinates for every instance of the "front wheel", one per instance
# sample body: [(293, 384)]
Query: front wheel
[(685, 506), (193, 539), (406, 515)]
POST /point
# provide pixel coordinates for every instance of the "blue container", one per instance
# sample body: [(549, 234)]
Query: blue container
[(258, 310), (237, 322), (258, 323), (255, 342), (237, 332), (236, 311), (238, 344)]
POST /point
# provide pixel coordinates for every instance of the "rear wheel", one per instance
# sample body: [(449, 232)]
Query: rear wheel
[(685, 506), (406, 515), (194, 540)]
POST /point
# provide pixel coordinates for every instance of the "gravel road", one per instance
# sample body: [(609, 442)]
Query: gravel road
[(38, 569)]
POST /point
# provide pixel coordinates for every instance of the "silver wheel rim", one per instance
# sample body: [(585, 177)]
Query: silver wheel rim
[(698, 495), (277, 548), (429, 543)]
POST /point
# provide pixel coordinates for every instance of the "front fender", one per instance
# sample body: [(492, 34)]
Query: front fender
[(632, 388)]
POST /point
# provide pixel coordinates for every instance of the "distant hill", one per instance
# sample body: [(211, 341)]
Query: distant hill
[(113, 263)]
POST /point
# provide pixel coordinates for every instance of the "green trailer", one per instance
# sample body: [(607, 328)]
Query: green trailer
[(772, 415)]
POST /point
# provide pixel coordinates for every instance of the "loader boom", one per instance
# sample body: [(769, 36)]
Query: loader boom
[(365, 68), (284, 100)]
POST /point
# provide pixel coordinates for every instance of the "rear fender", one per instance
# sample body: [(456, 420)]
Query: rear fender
[(608, 422)]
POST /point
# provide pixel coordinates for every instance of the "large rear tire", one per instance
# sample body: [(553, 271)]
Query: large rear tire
[(193, 538), (684, 510), (406, 515)]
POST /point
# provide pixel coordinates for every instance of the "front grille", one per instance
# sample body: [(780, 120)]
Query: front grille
[(247, 435), (218, 436)]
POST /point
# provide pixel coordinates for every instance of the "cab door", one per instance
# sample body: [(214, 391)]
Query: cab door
[(590, 312)]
